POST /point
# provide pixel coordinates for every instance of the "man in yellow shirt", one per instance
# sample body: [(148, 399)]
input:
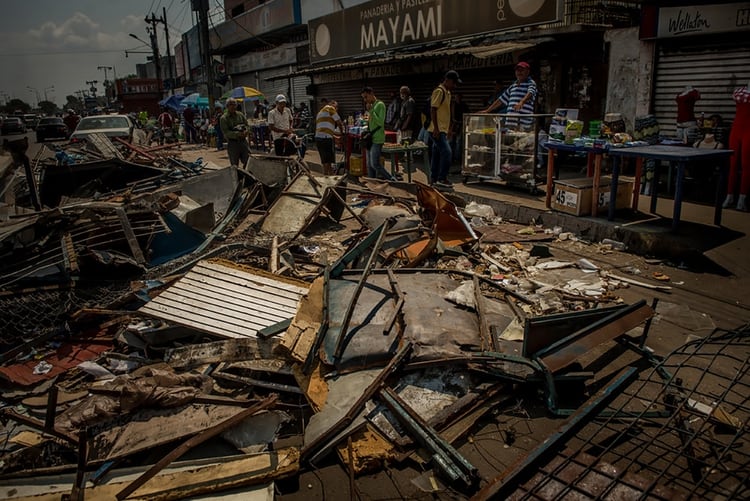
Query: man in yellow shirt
[(440, 130)]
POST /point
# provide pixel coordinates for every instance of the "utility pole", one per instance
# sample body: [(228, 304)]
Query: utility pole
[(155, 46), (169, 57), (202, 7), (107, 83)]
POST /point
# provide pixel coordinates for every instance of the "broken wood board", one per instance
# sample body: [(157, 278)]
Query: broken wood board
[(227, 300), (230, 350), (289, 213), (300, 335), (180, 481)]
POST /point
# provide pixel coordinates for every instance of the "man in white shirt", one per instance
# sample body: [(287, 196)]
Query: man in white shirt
[(280, 122)]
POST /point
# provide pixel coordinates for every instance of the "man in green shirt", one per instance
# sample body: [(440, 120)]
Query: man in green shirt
[(376, 127), (234, 127)]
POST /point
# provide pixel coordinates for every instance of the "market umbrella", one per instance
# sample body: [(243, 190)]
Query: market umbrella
[(195, 99), (173, 102), (245, 93)]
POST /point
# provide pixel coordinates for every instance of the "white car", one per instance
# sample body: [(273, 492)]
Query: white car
[(110, 125)]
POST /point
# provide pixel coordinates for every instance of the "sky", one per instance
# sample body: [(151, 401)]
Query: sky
[(56, 46)]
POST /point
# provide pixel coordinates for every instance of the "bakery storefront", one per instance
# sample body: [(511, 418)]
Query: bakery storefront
[(389, 44)]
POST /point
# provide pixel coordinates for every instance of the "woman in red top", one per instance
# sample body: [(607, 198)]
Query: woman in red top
[(739, 141)]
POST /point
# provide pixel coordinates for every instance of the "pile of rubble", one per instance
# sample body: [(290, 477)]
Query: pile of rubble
[(171, 329)]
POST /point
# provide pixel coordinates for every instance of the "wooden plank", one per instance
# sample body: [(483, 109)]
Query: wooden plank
[(181, 315), (257, 276), (130, 236), (272, 298)]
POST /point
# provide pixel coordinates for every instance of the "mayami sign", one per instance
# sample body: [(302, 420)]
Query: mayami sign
[(703, 19), (382, 25)]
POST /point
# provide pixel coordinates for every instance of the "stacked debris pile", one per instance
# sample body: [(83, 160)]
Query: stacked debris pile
[(219, 329)]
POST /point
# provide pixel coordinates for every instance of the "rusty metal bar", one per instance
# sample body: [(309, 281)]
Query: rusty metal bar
[(194, 441), (565, 351), (449, 459), (309, 449), (79, 486), (49, 418), (484, 328), (341, 342)]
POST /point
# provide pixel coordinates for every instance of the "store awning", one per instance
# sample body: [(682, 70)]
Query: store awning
[(480, 52)]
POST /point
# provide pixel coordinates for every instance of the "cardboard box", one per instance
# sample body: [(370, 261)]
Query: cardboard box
[(573, 196)]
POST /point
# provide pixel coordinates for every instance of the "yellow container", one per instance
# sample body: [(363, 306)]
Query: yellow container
[(356, 165)]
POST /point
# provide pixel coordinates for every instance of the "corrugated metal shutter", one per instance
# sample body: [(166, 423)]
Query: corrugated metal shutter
[(475, 89), (714, 69), (299, 90), (274, 81)]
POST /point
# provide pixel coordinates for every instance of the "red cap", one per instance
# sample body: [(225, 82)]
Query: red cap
[(523, 64)]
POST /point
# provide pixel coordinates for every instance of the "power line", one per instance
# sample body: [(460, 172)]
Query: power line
[(62, 52)]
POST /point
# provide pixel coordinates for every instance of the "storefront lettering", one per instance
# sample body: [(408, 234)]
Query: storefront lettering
[(686, 23), (400, 28), (743, 17)]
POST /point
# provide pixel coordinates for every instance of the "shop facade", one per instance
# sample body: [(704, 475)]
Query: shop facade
[(705, 46)]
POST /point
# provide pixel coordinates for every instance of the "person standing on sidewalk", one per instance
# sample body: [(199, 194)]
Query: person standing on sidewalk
[(190, 133), (326, 122), (441, 131), (519, 98), (408, 116), (216, 122), (234, 127), (376, 128)]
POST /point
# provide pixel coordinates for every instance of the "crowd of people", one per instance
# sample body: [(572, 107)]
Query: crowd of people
[(435, 121)]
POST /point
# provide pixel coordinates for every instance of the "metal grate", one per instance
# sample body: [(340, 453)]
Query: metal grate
[(677, 432)]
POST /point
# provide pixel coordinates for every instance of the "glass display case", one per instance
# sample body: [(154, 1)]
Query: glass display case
[(498, 147)]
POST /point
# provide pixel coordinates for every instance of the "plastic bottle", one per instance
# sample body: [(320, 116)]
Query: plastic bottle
[(614, 243), (398, 136)]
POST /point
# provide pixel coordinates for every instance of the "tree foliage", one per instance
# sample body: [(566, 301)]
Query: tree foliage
[(15, 105)]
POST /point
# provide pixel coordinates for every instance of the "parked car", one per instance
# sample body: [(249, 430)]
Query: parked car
[(30, 120), (51, 128), (110, 125), (13, 125)]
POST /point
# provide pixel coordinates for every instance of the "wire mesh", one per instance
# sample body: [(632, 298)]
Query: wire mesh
[(677, 432)]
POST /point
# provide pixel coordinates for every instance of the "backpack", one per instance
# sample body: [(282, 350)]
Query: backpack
[(426, 110)]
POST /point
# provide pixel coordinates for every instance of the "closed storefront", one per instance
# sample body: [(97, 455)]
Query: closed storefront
[(703, 46), (715, 69)]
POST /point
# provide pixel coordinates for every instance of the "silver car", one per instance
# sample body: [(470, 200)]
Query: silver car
[(110, 125)]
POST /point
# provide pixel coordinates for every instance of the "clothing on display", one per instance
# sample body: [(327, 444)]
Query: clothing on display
[(686, 104), (739, 141)]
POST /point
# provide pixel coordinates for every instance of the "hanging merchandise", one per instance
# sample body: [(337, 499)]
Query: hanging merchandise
[(646, 129)]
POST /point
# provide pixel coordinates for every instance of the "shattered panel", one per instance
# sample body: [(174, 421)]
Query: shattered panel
[(289, 213), (228, 301)]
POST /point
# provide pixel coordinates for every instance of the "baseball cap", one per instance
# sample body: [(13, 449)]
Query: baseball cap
[(280, 98), (523, 64), (453, 75)]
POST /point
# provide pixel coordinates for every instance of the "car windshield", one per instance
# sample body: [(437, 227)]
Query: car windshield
[(51, 121), (113, 122)]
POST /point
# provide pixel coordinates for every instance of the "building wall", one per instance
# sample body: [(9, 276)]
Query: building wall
[(629, 88)]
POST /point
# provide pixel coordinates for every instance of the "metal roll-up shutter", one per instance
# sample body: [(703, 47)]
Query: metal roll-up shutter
[(346, 93), (715, 69), (299, 90), (275, 81)]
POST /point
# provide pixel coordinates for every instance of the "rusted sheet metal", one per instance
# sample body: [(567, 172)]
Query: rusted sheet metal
[(566, 351), (227, 300), (449, 225), (69, 354)]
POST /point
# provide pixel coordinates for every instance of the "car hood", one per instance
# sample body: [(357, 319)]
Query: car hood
[(108, 132)]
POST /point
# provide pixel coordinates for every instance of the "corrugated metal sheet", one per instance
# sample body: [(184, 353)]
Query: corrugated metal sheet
[(227, 300), (714, 69)]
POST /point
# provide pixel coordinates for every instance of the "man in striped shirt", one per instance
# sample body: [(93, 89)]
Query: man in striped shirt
[(520, 98), (326, 122)]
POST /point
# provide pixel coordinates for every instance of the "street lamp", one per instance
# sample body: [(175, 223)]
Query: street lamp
[(136, 37), (35, 91), (51, 87)]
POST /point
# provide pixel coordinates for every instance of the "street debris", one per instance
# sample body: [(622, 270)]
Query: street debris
[(270, 320)]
